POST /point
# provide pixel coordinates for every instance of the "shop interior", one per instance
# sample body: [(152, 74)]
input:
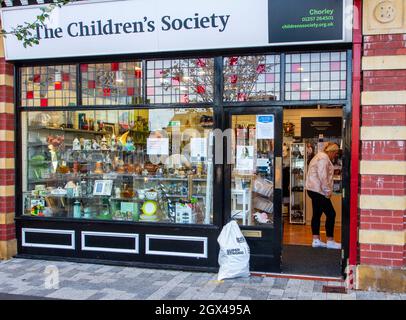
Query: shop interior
[(305, 131)]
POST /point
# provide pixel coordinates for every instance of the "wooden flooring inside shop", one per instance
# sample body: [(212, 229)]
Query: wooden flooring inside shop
[(298, 234)]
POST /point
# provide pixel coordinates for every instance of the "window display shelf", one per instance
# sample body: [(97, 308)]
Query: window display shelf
[(176, 195), (109, 171), (298, 162), (36, 128)]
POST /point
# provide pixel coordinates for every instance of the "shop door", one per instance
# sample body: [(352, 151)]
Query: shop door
[(253, 182)]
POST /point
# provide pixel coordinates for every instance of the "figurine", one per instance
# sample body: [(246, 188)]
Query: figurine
[(98, 168), (159, 172), (261, 217), (129, 146), (95, 145), (103, 144), (120, 166), (122, 141), (76, 144), (107, 164), (55, 141), (113, 142), (87, 144)]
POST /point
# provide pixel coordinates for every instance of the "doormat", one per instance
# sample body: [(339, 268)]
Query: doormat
[(305, 260), (334, 289)]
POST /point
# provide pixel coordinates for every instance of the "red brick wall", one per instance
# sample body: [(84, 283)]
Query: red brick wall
[(385, 45), (383, 115), (386, 80), (392, 256), (393, 150), (7, 154)]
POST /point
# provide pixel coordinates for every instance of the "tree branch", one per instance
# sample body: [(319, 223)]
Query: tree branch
[(26, 32)]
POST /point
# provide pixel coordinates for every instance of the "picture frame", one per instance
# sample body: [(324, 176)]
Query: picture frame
[(103, 187), (110, 128)]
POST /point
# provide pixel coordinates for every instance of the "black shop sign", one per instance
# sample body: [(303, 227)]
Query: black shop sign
[(305, 20), (327, 126)]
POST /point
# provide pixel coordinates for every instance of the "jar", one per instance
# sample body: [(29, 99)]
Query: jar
[(77, 209)]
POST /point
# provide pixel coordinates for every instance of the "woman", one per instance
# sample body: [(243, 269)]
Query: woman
[(319, 185)]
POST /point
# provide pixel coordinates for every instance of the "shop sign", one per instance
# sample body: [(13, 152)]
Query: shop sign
[(326, 126), (91, 28), (306, 21)]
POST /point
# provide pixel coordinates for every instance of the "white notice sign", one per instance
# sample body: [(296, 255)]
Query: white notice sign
[(245, 158), (265, 127), (158, 146)]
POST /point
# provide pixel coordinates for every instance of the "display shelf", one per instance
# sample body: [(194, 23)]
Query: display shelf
[(176, 195), (36, 128), (297, 209), (172, 187)]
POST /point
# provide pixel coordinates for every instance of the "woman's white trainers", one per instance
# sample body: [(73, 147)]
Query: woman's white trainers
[(317, 243), (333, 245)]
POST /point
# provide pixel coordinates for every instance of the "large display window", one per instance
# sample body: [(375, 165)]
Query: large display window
[(144, 165)]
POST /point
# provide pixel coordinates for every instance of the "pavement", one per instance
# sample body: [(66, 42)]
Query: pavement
[(25, 279)]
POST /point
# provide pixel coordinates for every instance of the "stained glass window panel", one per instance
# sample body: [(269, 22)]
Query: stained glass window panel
[(48, 86), (316, 76), (115, 83), (180, 80), (252, 78)]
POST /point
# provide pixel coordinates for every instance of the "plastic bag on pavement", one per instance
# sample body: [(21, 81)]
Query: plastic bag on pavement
[(234, 255)]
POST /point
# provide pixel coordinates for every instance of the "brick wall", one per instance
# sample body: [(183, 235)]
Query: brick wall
[(7, 154), (394, 115), (383, 216)]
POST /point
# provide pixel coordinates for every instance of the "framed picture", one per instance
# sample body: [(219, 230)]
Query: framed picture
[(110, 128), (102, 187)]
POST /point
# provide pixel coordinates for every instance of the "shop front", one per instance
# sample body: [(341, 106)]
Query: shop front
[(142, 129)]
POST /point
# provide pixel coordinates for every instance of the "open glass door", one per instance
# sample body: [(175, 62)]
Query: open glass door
[(253, 186)]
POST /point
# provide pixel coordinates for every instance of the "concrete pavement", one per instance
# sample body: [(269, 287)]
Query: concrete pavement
[(79, 281)]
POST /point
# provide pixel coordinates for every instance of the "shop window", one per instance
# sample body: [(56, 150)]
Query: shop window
[(314, 76), (115, 83), (252, 78), (145, 165), (180, 80), (48, 86)]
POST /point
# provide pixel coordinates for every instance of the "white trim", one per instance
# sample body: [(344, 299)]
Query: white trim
[(176, 253), (135, 236), (53, 231)]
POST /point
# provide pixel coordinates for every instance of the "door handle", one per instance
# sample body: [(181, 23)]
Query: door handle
[(278, 173)]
